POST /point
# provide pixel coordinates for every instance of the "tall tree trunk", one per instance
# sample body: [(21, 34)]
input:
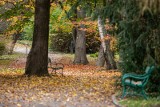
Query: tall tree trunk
[(80, 49), (80, 46), (73, 42), (37, 60), (14, 41), (105, 51)]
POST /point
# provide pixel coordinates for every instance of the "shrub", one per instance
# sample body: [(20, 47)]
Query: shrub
[(154, 84), (60, 42), (2, 47), (92, 43), (27, 33), (94, 55)]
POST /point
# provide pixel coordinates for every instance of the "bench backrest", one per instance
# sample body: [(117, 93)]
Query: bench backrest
[(149, 69)]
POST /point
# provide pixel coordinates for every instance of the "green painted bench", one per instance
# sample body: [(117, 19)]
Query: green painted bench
[(134, 84), (55, 67)]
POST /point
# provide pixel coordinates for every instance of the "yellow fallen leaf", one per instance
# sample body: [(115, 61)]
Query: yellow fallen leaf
[(19, 105)]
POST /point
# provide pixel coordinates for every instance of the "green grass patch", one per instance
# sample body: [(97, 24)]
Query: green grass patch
[(140, 102), (94, 55), (5, 62), (10, 71), (25, 42), (7, 59), (11, 57)]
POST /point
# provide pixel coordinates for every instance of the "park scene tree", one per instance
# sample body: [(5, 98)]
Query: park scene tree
[(92, 53)]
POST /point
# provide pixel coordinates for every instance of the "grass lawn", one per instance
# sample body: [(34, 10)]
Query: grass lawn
[(6, 60), (140, 102)]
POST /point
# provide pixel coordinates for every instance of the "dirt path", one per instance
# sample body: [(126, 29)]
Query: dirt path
[(21, 48)]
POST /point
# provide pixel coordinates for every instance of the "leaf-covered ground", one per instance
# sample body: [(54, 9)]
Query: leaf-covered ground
[(81, 86)]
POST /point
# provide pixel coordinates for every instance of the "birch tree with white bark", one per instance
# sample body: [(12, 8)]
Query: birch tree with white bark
[(105, 55)]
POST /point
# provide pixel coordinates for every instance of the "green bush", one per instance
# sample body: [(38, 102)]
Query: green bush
[(92, 43), (27, 33), (94, 55), (60, 42), (154, 84), (2, 47)]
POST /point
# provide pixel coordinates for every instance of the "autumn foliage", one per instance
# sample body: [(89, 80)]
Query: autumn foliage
[(80, 86)]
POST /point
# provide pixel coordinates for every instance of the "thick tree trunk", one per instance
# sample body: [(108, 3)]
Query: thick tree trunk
[(80, 49), (37, 60), (80, 46), (105, 51)]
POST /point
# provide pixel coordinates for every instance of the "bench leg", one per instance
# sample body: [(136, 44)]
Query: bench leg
[(53, 70), (62, 72), (144, 94), (124, 91)]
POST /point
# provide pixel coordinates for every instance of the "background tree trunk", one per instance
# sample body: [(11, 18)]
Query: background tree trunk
[(109, 54), (80, 48), (74, 29), (14, 41), (37, 60), (101, 60), (105, 51), (73, 42)]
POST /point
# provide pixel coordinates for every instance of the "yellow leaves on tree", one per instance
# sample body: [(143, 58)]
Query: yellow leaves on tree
[(90, 26)]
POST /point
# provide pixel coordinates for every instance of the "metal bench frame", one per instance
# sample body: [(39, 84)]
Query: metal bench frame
[(136, 83), (55, 67)]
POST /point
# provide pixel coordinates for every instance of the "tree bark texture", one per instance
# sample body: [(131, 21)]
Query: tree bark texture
[(37, 60), (80, 49), (80, 46), (101, 60), (105, 45)]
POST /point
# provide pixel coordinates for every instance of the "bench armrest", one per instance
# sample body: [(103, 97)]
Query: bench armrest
[(133, 75), (139, 77), (59, 64), (55, 65)]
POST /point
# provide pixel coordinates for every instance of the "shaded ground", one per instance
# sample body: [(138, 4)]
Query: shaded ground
[(81, 86)]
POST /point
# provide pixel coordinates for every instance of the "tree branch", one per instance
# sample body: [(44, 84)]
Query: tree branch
[(51, 1)]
